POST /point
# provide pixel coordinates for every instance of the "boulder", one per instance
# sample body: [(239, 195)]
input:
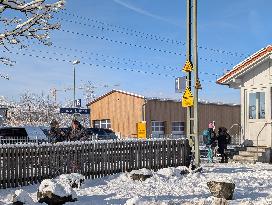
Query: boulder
[(184, 172), (140, 177), (55, 192), (141, 174), (74, 179), (21, 197), (221, 189)]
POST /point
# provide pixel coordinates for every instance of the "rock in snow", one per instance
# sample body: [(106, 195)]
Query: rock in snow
[(22, 197), (55, 192), (141, 174), (221, 189)]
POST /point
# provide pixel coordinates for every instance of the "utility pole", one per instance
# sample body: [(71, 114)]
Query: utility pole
[(189, 74), (74, 66), (197, 85), (191, 101)]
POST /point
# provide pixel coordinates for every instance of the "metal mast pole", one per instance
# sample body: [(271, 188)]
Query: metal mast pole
[(74, 85), (195, 63), (189, 75)]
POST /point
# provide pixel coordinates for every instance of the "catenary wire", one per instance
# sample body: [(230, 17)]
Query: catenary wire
[(138, 46), (133, 32), (124, 60), (96, 65)]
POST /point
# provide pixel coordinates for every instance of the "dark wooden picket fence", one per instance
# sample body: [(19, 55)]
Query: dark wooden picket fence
[(22, 165)]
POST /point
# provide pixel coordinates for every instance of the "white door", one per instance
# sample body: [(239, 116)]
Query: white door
[(257, 130)]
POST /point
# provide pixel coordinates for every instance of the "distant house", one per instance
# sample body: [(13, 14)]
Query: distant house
[(253, 77), (120, 111)]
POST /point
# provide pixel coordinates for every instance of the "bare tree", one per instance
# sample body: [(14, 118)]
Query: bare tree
[(22, 19)]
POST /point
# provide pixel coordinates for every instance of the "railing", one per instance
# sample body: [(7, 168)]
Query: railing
[(265, 124), (26, 164), (237, 138)]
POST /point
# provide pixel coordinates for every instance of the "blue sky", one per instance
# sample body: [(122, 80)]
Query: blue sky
[(156, 30)]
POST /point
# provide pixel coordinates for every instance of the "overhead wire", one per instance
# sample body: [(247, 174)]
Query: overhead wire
[(118, 60), (138, 46), (92, 64), (133, 32)]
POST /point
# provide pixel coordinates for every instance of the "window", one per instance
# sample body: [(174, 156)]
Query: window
[(106, 124), (157, 126), (252, 105), (96, 123), (178, 127), (261, 101), (257, 105)]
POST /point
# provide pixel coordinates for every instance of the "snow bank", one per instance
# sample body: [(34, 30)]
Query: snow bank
[(142, 171), (22, 196), (73, 179), (57, 187), (166, 186), (139, 201), (172, 171)]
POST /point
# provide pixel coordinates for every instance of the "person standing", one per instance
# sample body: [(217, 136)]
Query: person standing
[(208, 141), (213, 137), (55, 133), (223, 141), (77, 132)]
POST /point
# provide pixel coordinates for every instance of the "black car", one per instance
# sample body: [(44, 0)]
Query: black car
[(101, 134), (13, 135)]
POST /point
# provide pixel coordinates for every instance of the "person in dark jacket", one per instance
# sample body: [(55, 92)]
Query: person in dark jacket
[(223, 141), (77, 132), (55, 133)]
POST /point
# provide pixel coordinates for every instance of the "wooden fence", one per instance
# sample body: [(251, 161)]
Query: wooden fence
[(22, 165)]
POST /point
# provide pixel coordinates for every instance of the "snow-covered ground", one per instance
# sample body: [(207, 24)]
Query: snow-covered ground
[(167, 187)]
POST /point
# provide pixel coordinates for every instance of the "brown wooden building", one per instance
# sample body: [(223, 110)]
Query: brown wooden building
[(120, 111)]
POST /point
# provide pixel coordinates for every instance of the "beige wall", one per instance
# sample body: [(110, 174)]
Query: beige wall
[(259, 79), (169, 111), (123, 110), (223, 115), (166, 111)]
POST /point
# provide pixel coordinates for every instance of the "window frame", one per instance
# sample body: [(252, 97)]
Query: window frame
[(258, 104), (157, 127), (102, 122), (181, 127)]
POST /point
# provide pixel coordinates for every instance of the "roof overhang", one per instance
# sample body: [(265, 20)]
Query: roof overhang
[(233, 77), (113, 91)]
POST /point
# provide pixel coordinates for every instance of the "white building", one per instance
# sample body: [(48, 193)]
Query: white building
[(253, 77)]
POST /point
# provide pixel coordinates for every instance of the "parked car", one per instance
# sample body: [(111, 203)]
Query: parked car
[(14, 135), (101, 134), (93, 133)]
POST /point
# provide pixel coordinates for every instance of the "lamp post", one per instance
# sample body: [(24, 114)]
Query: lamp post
[(74, 65)]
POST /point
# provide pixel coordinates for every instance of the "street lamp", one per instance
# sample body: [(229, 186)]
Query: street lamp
[(75, 63)]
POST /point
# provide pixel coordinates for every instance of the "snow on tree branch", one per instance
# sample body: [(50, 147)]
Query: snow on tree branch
[(35, 110), (30, 20)]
